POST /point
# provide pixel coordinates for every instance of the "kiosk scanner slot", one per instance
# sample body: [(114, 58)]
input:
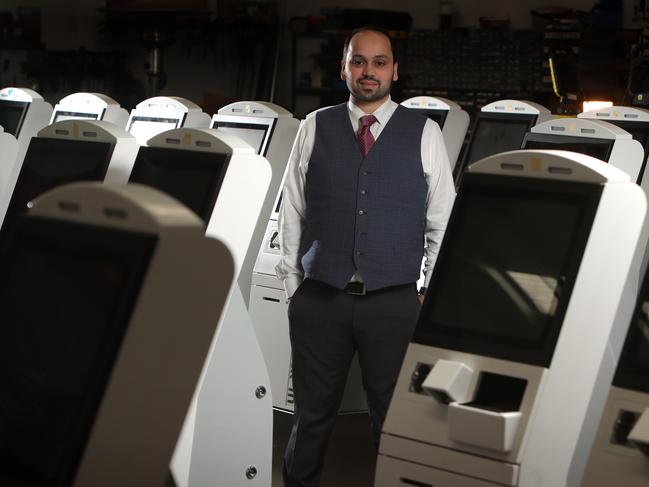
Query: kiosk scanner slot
[(221, 178), (620, 453), (490, 392), (90, 106), (452, 120), (161, 113), (65, 152), (499, 127), (79, 408)]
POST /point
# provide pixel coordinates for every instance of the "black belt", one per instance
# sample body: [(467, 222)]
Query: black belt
[(356, 288)]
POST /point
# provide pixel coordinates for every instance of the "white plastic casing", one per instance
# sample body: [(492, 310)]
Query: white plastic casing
[(90, 106)]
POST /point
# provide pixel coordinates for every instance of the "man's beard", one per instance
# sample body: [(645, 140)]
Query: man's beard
[(360, 94)]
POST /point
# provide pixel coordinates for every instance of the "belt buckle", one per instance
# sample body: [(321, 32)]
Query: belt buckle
[(355, 288)]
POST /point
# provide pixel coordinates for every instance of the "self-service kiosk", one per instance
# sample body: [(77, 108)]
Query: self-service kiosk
[(633, 120), (102, 405), (225, 182), (269, 314), (23, 112), (620, 454), (499, 127), (90, 106), (521, 327), (160, 113), (270, 130), (594, 138), (65, 152), (452, 120), (9, 151)]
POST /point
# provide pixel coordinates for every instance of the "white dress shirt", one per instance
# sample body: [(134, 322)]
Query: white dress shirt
[(439, 199)]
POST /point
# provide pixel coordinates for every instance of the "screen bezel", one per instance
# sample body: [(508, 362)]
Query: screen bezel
[(237, 121), (628, 124), (544, 138), (539, 354), (21, 120)]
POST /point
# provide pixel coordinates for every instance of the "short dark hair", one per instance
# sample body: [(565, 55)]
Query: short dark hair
[(370, 28)]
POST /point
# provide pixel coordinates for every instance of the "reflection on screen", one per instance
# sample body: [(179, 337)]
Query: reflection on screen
[(53, 162), (505, 271), (67, 293), (145, 128), (60, 116), (12, 115), (493, 136), (193, 178), (251, 133), (598, 148)]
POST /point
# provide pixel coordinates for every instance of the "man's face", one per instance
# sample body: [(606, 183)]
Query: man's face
[(368, 67)]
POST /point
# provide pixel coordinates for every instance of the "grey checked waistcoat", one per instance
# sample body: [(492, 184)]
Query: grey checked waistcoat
[(365, 214)]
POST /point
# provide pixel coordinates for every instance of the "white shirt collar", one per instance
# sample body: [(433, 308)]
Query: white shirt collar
[(382, 113)]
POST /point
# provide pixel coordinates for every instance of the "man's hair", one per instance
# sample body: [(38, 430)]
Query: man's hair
[(370, 28)]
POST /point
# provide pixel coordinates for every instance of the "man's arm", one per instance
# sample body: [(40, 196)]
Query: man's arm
[(441, 192), (293, 210)]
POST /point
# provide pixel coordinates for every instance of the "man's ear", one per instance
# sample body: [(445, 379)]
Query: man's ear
[(342, 70), (395, 76)]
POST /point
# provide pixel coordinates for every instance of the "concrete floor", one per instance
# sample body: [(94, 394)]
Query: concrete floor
[(351, 457)]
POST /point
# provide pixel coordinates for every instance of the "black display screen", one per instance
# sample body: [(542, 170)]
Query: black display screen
[(598, 148), (67, 292), (193, 178), (633, 368), (640, 132), (496, 133), (12, 116), (53, 162), (254, 134), (438, 116), (506, 268)]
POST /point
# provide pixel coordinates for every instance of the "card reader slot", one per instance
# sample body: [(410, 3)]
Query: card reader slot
[(416, 483)]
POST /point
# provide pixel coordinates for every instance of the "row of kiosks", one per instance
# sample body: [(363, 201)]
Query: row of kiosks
[(521, 327), (269, 313), (452, 120), (500, 127), (161, 113), (224, 181), (64, 152), (80, 405)]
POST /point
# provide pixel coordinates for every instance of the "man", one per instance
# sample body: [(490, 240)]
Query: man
[(369, 181)]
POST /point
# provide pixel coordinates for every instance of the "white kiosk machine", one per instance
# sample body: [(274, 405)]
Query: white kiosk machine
[(65, 152), (452, 120), (594, 138), (224, 182), (270, 130), (160, 113), (90, 106), (23, 112), (102, 405), (633, 120), (506, 374), (620, 455), (499, 127)]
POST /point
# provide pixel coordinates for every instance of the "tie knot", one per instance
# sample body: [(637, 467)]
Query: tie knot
[(367, 120)]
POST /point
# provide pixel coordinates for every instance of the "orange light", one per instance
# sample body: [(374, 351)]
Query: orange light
[(596, 105)]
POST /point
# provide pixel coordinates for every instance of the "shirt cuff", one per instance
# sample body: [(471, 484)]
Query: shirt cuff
[(291, 283)]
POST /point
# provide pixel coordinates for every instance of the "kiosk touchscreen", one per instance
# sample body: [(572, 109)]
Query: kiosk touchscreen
[(23, 112), (633, 120), (499, 127), (452, 120), (161, 113), (224, 182), (620, 454), (65, 152), (521, 327), (90, 106), (595, 138), (270, 130), (102, 405)]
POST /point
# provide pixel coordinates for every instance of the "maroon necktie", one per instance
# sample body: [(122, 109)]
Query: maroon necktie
[(364, 137)]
